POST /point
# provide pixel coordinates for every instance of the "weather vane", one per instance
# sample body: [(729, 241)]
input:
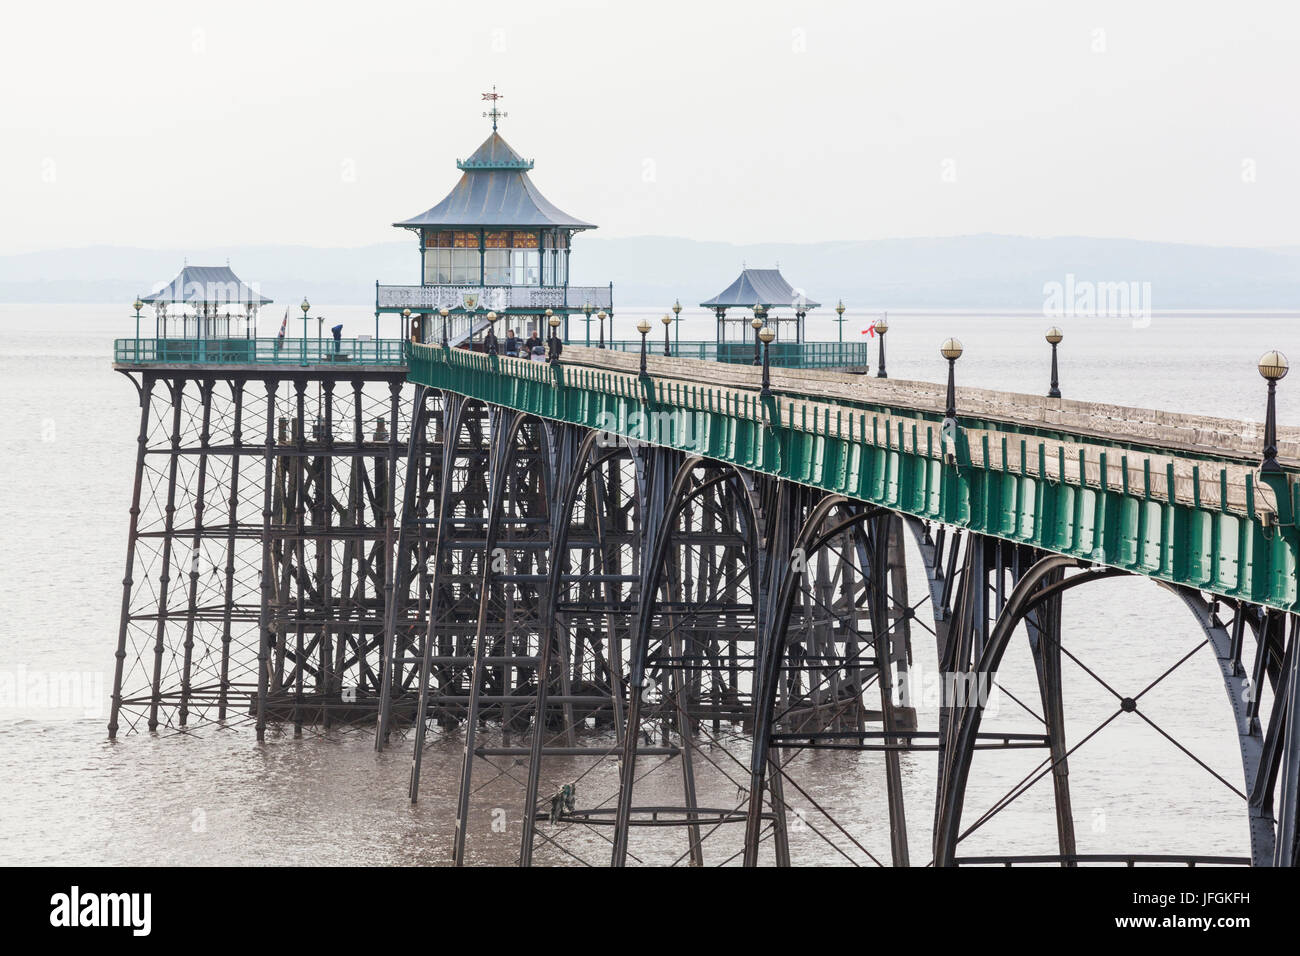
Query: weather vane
[(494, 112)]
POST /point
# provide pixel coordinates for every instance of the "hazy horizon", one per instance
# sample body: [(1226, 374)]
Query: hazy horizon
[(974, 272)]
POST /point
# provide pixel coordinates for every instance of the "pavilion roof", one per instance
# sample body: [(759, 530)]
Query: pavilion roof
[(207, 285), (494, 190), (765, 287)]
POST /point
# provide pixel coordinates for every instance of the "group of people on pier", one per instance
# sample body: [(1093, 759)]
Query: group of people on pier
[(532, 348)]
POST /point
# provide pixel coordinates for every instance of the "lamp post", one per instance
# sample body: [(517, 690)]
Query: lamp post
[(490, 342), (667, 320), (601, 315), (644, 328), (406, 324), (839, 309), (554, 322), (1273, 366), (445, 313), (306, 307), (767, 335), (587, 309), (882, 326), (756, 323), (137, 305), (1054, 337), (677, 328), (951, 350)]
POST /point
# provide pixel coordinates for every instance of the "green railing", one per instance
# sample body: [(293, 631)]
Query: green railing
[(1183, 517), (783, 354), (271, 351)]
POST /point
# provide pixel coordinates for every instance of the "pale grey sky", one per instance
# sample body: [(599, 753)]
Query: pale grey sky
[(174, 124)]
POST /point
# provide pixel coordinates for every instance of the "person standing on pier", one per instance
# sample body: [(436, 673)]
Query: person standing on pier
[(535, 347)]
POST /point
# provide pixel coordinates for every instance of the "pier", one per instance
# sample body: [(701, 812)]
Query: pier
[(635, 549)]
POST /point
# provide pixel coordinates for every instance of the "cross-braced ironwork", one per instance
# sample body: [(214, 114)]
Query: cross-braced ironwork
[(258, 547), (667, 621)]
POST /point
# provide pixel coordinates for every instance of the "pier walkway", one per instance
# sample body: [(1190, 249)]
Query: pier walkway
[(1168, 496), (547, 566)]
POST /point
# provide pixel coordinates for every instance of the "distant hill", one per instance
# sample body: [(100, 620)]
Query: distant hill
[(285, 273), (984, 271)]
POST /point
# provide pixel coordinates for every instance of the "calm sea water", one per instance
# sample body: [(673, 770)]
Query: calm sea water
[(67, 430)]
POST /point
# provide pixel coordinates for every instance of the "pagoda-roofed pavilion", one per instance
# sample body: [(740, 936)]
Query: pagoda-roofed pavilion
[(492, 244), (765, 288), (494, 190), (209, 293)]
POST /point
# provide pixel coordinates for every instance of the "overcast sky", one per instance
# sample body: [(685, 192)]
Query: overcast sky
[(178, 124)]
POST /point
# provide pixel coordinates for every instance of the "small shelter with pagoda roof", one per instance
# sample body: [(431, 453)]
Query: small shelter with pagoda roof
[(767, 289), (493, 244), (206, 296)]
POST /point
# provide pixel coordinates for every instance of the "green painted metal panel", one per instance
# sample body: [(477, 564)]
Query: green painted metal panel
[(1145, 526)]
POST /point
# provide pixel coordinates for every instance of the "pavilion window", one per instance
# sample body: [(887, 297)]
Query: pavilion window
[(466, 259), (451, 267), (437, 266), (438, 256), (525, 261), (525, 267), (496, 267), (451, 258), (465, 268), (496, 258)]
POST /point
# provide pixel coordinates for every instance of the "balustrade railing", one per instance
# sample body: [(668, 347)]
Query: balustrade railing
[(362, 351), (783, 354), (264, 351), (497, 298)]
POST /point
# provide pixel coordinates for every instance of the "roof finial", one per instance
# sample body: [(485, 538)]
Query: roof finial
[(494, 112)]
